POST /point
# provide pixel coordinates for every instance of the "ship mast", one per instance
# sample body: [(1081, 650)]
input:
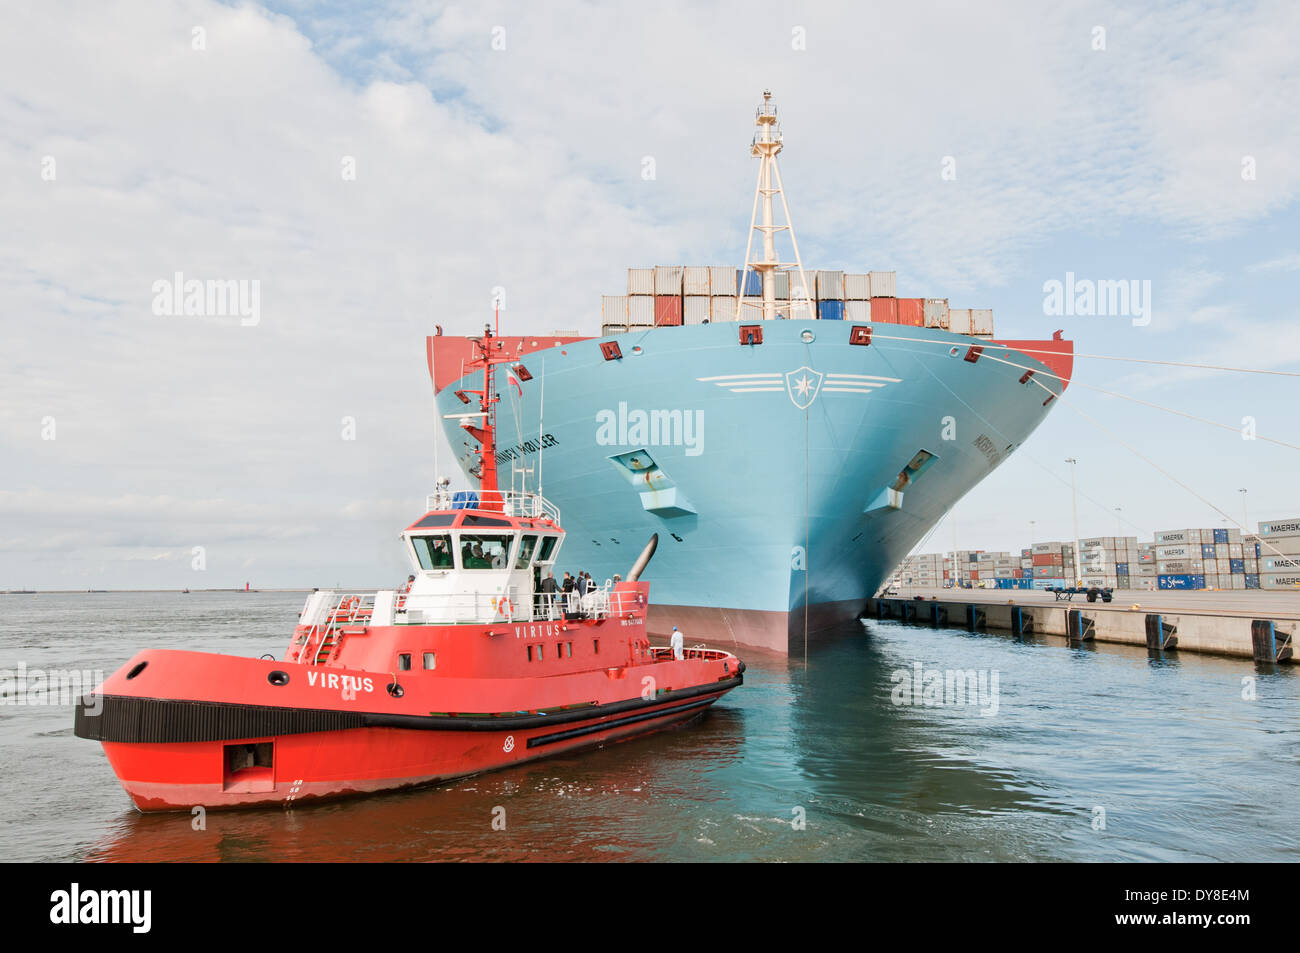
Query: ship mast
[(485, 433), (766, 144)]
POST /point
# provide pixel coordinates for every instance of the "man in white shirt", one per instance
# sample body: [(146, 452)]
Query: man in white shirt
[(676, 643)]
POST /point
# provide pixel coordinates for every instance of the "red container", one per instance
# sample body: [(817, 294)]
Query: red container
[(884, 310), (1047, 559), (668, 310), (911, 311)]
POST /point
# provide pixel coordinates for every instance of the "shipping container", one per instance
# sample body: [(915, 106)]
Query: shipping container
[(936, 313), (668, 310), (723, 307), (911, 311), (752, 280), (830, 286), (1280, 563), (1252, 580), (641, 310), (830, 310), (640, 281), (695, 309), (1175, 567), (722, 281), (1275, 528), (1288, 580), (1178, 551), (1207, 551), (857, 287), (981, 321), (668, 280), (884, 310), (883, 284), (783, 285), (803, 284), (613, 309), (607, 329), (959, 320), (751, 308), (857, 311), (1180, 582), (695, 280)]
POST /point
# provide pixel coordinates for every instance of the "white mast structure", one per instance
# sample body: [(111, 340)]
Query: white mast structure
[(765, 146)]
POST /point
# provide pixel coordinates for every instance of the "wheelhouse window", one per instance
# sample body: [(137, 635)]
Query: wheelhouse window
[(484, 551), (545, 551), (433, 552), (526, 552)]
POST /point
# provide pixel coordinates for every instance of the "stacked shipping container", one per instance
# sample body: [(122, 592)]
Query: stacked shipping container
[(673, 295)]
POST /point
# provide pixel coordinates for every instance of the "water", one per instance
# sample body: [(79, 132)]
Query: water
[(1183, 766)]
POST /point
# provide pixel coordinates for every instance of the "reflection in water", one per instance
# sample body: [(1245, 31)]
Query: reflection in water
[(1094, 753)]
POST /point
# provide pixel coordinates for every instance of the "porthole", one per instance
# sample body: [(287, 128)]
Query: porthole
[(808, 337), (137, 670), (395, 690), (278, 678), (954, 351)]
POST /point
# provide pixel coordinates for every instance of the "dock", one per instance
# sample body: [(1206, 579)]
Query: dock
[(1252, 624)]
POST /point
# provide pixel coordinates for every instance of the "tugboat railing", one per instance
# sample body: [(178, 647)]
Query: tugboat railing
[(510, 502)]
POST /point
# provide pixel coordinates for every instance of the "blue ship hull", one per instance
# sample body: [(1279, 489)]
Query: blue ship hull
[(771, 472)]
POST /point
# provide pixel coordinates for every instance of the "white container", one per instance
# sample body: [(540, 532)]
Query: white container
[(959, 320), (830, 286), (859, 311), (936, 313), (751, 309), (884, 284), (613, 309), (695, 280), (695, 309), (723, 307), (782, 285), (668, 279), (981, 321), (641, 310), (1276, 528), (803, 284), (640, 281), (857, 287), (1280, 581), (722, 280), (1178, 551), (607, 329)]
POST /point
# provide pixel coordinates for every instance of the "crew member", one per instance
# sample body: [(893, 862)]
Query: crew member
[(676, 643)]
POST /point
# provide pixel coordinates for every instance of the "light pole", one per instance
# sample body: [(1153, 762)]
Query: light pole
[(1245, 518), (1119, 529), (1074, 502)]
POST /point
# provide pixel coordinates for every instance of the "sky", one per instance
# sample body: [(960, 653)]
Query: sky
[(374, 170)]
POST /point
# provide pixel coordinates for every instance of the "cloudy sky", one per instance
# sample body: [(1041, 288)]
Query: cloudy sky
[(379, 169)]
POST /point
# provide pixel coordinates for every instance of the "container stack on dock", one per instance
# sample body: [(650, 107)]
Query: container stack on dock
[(674, 295), (1175, 559)]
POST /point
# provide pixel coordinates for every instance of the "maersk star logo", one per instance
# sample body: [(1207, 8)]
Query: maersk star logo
[(802, 386)]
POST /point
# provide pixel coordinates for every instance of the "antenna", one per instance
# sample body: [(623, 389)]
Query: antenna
[(766, 144), (541, 411)]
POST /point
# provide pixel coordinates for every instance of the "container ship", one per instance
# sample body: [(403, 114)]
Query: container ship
[(790, 434)]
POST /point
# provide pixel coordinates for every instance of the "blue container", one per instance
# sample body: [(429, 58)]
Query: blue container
[(1121, 569), (1220, 535), (1236, 565), (1182, 581), (1207, 551), (830, 310), (750, 283), (1258, 552), (464, 500), (1252, 580)]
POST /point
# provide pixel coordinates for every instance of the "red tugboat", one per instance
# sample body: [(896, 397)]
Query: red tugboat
[(470, 667)]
